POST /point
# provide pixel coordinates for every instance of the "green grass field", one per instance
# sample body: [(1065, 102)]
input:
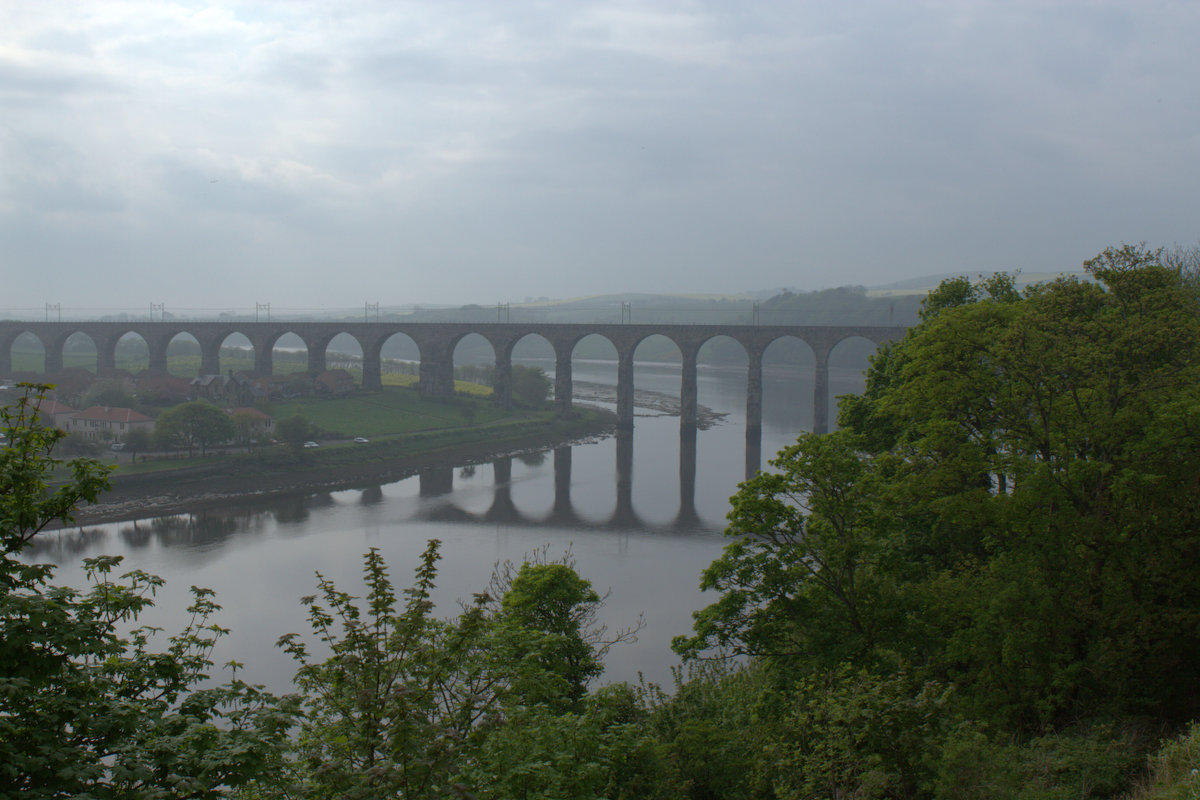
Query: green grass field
[(393, 411)]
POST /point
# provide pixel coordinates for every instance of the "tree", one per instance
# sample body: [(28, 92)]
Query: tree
[(194, 424), (293, 431), (1010, 509), (547, 600), (530, 385), (393, 709), (87, 707), (407, 704), (246, 427), (138, 440), (108, 392)]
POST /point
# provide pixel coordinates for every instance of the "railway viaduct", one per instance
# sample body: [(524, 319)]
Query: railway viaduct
[(436, 342)]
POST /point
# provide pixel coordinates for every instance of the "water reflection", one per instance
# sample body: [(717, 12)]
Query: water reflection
[(562, 514), (209, 529)]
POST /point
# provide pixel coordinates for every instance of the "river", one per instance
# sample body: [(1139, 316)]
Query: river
[(640, 522)]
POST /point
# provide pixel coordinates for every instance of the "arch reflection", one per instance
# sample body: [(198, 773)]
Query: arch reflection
[(562, 513)]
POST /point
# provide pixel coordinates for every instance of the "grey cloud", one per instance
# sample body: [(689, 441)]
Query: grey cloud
[(472, 152)]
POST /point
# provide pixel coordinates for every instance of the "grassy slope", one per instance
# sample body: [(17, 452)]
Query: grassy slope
[(395, 410)]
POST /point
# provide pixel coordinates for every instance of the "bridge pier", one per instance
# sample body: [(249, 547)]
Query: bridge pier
[(562, 483), (564, 386), (372, 376), (502, 377), (316, 357), (821, 393), (436, 373), (754, 390), (687, 476), (753, 452), (5, 359), (158, 354), (502, 508), (689, 405), (106, 356), (624, 509), (625, 389), (54, 358), (210, 356), (264, 357), (436, 481)]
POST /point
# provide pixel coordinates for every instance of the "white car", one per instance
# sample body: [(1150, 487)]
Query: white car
[(361, 440), (310, 445)]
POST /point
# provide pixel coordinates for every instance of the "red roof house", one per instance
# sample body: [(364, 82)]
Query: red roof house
[(105, 422)]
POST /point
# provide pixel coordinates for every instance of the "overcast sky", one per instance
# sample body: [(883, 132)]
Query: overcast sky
[(311, 153)]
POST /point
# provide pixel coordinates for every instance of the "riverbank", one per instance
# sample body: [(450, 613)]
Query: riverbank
[(220, 481)]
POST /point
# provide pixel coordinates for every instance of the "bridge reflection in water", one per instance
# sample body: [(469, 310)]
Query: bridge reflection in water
[(562, 514), (209, 530)]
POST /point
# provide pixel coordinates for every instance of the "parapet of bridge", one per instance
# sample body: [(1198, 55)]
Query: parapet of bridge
[(436, 343)]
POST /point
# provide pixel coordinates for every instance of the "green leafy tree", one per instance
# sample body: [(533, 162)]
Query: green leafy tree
[(549, 602), (393, 709), (1011, 509), (293, 431), (138, 440), (193, 425), (530, 385), (108, 392), (87, 707), (406, 704), (246, 427)]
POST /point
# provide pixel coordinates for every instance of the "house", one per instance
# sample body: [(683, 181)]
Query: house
[(209, 387), (69, 382), (158, 388), (56, 413), (103, 423), (257, 422), (334, 381)]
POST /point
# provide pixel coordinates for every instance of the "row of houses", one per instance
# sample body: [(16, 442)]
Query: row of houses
[(97, 423), (107, 423)]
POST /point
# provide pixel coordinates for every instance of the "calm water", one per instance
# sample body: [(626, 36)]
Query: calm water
[(641, 521)]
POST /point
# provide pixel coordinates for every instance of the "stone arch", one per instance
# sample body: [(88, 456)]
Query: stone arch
[(790, 375), (25, 352), (129, 351), (234, 351), (601, 357), (324, 352), (72, 351), (473, 356), (533, 346), (536, 351), (662, 350), (396, 356), (288, 354), (716, 354), (848, 360), (182, 354)]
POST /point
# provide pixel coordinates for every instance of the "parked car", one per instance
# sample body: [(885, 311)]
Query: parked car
[(361, 440), (310, 445), (118, 446)]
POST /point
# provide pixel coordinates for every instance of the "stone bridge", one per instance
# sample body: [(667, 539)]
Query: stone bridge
[(436, 342)]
